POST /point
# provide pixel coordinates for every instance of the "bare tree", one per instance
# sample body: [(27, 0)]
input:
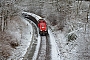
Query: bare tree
[(7, 12)]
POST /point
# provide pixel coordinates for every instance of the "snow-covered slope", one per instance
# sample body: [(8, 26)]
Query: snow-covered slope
[(22, 31)]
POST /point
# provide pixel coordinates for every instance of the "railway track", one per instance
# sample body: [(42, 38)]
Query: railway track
[(42, 47), (30, 51), (44, 50), (48, 48)]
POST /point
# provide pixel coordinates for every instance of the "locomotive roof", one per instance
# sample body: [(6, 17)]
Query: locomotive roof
[(41, 20)]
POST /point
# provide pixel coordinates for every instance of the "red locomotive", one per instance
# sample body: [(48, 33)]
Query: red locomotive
[(42, 27)]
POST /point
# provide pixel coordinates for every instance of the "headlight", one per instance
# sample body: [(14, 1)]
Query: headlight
[(40, 30)]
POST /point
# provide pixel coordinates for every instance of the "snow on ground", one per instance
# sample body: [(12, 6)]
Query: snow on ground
[(60, 50), (21, 30), (54, 48), (78, 49), (34, 15), (37, 49)]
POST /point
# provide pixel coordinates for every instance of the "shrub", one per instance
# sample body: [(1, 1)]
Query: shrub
[(14, 43), (72, 37)]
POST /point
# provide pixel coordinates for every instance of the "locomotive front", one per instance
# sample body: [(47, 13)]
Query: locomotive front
[(42, 27)]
